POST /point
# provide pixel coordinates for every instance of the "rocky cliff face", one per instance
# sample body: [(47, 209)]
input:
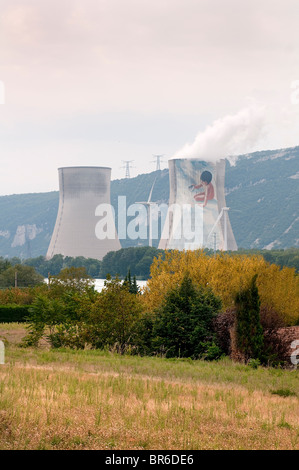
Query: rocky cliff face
[(26, 224), (24, 234)]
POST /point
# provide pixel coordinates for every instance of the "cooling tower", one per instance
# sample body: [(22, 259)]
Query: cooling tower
[(197, 214), (82, 191)]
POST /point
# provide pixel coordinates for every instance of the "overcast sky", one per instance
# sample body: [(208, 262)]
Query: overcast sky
[(96, 82)]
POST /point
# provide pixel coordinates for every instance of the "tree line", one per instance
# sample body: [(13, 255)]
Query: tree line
[(194, 305), (136, 259), (189, 322)]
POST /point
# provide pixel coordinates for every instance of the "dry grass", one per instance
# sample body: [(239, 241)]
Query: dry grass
[(12, 333), (95, 400)]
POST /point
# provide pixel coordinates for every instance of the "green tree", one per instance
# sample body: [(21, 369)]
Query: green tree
[(4, 265), (137, 258), (113, 317), (183, 326), (71, 279), (44, 314), (58, 320), (53, 265), (131, 283), (250, 339), (24, 276), (59, 314)]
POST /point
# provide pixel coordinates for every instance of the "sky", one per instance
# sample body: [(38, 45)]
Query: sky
[(100, 82)]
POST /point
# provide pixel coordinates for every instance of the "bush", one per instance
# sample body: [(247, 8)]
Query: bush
[(58, 319), (222, 325), (213, 352), (250, 338), (44, 312), (113, 317), (254, 363), (275, 349), (144, 334), (283, 392), (14, 313), (67, 335), (22, 295), (183, 326)]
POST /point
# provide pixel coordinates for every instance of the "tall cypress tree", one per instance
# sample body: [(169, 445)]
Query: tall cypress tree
[(250, 338), (132, 285)]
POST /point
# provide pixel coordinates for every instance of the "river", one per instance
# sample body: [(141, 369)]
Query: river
[(99, 284)]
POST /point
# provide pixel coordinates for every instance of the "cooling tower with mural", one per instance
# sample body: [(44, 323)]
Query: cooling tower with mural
[(197, 215), (81, 191)]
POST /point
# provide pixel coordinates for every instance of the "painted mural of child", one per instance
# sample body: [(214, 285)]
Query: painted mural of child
[(205, 182)]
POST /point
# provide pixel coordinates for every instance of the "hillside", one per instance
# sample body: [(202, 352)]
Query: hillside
[(26, 223), (262, 191)]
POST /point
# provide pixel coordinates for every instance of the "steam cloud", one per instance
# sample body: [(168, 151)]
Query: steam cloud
[(228, 137)]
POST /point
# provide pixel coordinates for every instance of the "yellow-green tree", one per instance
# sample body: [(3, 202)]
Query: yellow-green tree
[(226, 274)]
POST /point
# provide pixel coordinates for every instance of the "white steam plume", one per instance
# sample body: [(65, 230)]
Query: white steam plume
[(228, 137)]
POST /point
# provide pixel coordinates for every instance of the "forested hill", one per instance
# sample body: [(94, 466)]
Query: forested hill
[(262, 191)]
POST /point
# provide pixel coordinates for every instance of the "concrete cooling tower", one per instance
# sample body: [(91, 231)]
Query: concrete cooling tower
[(82, 190), (197, 214)]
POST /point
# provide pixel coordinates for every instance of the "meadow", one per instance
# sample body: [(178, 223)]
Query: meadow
[(91, 399)]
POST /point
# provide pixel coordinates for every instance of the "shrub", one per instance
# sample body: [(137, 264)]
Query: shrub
[(14, 313), (70, 335), (222, 324), (44, 313), (183, 326), (21, 296), (113, 317), (144, 334), (254, 363), (275, 349), (250, 339), (284, 392), (212, 352)]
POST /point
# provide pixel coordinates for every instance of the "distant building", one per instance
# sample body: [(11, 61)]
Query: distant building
[(81, 191), (197, 214)]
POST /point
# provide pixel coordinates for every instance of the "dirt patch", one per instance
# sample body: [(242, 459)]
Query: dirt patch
[(13, 335)]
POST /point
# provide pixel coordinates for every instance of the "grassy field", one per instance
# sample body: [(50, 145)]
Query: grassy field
[(62, 399)]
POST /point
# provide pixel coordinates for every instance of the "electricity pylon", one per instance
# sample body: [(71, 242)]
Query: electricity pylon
[(158, 161), (223, 214), (127, 166)]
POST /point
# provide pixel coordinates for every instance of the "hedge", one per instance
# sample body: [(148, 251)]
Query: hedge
[(14, 313)]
